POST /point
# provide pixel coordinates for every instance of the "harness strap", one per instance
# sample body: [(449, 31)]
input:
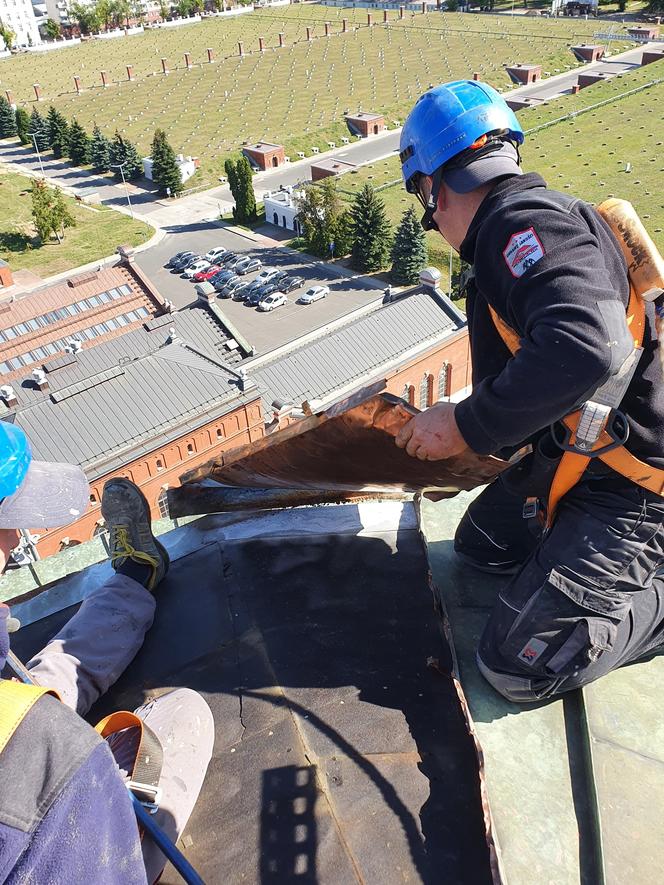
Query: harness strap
[(149, 756), (16, 701)]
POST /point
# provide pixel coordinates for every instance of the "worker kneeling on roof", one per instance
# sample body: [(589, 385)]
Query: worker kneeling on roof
[(565, 360)]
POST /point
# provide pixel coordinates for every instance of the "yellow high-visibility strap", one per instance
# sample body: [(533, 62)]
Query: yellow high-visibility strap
[(16, 701)]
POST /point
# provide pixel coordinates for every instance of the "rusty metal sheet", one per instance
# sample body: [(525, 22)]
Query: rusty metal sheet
[(348, 448)]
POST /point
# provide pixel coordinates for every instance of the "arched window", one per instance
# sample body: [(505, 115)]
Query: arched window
[(405, 393), (190, 449), (93, 498), (220, 433), (162, 503), (444, 379), (160, 464), (275, 217), (424, 392)]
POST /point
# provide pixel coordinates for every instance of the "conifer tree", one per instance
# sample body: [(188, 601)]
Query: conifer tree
[(100, 150), (165, 170), (58, 131), (409, 251), (371, 231), (79, 144), (38, 133), (242, 187), (7, 119), (50, 212), (124, 153), (22, 125)]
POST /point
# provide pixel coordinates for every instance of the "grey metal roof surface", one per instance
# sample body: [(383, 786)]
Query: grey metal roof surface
[(122, 410), (351, 352)]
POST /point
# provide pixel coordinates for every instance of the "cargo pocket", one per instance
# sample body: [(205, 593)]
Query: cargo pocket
[(564, 627)]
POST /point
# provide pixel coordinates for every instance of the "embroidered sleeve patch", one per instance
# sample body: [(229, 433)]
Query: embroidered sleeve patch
[(522, 251)]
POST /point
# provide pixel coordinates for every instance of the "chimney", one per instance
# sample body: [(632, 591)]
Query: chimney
[(39, 377), (243, 379), (430, 277), (74, 345), (8, 395)]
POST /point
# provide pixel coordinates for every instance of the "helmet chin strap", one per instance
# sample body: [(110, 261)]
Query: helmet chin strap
[(427, 221)]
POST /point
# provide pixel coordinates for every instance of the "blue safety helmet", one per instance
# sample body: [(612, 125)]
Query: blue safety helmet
[(448, 121), (15, 458)]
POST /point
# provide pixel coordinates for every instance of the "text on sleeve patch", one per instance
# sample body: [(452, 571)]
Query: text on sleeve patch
[(522, 251)]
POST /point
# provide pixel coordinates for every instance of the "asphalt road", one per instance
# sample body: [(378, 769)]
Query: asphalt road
[(266, 331)]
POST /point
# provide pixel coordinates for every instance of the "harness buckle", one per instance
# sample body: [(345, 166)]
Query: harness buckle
[(531, 508), (616, 427), (147, 795)]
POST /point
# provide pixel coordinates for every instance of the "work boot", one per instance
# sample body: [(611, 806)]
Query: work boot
[(135, 552)]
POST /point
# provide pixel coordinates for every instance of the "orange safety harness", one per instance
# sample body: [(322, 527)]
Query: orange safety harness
[(573, 464)]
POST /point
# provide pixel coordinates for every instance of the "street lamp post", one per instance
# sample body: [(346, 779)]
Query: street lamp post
[(121, 166), (41, 165)]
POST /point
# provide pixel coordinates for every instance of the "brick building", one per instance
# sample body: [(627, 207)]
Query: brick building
[(264, 155), (365, 124), (165, 391)]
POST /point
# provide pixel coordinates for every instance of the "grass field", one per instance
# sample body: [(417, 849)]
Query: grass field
[(98, 231), (295, 96), (585, 154)]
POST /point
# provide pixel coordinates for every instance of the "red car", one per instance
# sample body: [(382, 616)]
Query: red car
[(207, 273)]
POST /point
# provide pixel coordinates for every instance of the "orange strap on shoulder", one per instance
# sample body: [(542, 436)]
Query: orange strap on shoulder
[(507, 333)]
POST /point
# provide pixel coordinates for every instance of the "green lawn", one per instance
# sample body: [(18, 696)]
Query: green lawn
[(98, 231), (295, 96), (585, 154)]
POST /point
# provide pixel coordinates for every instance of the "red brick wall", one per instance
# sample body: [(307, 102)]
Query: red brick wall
[(163, 467), (455, 352)]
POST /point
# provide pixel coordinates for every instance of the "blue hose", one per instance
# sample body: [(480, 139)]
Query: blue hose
[(163, 842)]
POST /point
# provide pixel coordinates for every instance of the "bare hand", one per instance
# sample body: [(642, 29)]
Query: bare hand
[(432, 435)]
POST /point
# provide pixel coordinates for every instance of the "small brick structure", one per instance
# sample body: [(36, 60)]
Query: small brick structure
[(6, 278), (522, 75), (330, 166), (588, 52), (645, 32), (590, 78), (365, 123), (652, 55), (265, 155)]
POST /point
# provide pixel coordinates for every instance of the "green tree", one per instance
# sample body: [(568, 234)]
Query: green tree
[(123, 153), (164, 9), (52, 29), (79, 144), (165, 170), (85, 17), (50, 212), (7, 35), (242, 187), (409, 251), (343, 234), (38, 131), (7, 119), (58, 132), (371, 231), (100, 150), (23, 125), (319, 213)]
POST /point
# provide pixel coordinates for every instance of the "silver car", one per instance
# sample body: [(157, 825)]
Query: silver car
[(315, 293)]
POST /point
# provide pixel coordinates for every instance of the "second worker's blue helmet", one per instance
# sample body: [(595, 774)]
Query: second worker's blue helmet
[(454, 126)]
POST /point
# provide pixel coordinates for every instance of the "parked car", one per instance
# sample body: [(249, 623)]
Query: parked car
[(194, 268), (272, 301), (259, 294), (241, 292), (249, 266), (206, 274), (224, 289), (290, 284), (267, 275), (183, 261), (315, 293), (232, 285), (175, 258), (279, 276), (215, 253), (220, 279), (227, 258)]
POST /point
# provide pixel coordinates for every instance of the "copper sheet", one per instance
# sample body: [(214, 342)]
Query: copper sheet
[(348, 448)]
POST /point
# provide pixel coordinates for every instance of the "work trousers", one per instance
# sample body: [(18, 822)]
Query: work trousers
[(87, 657), (586, 597)]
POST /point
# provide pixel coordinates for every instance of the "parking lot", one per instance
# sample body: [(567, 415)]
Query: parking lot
[(265, 331)]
